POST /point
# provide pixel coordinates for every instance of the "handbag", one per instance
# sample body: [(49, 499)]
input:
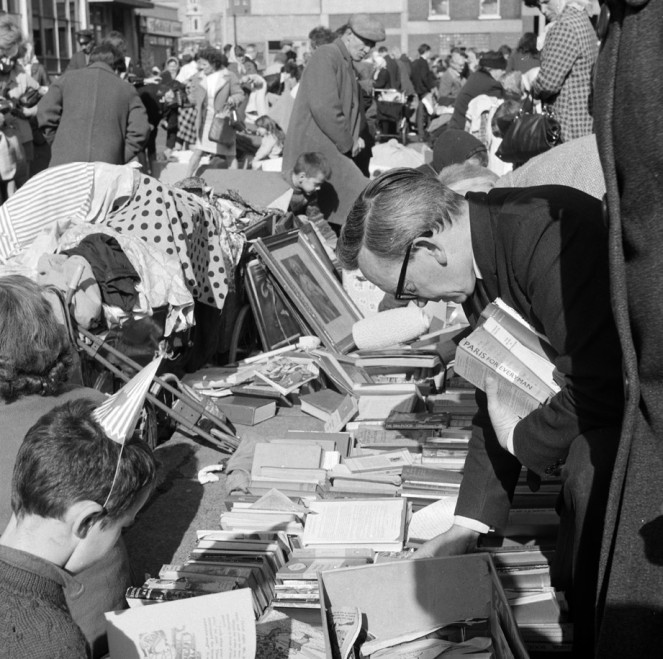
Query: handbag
[(221, 130), (29, 98), (529, 135)]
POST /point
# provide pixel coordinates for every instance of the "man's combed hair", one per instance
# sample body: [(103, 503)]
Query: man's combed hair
[(108, 54), (66, 457), (391, 212), (35, 352), (312, 164)]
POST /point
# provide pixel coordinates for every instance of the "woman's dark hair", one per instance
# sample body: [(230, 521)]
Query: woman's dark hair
[(291, 68), (527, 44), (35, 352), (214, 56)]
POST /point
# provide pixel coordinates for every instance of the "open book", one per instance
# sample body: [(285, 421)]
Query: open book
[(205, 627), (506, 346)]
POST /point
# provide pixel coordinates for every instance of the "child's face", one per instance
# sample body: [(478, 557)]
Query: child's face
[(309, 184), (99, 541)]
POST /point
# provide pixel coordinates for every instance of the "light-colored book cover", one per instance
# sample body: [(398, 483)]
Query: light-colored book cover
[(205, 627)]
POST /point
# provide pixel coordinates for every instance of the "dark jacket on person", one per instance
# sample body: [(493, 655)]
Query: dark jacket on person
[(91, 115), (79, 60), (423, 79), (327, 117), (630, 606), (394, 72), (530, 247), (479, 82)]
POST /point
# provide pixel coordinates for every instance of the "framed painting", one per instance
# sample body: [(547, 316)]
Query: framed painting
[(276, 325), (312, 287)]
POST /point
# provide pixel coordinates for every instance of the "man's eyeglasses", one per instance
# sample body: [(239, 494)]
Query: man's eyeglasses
[(399, 294)]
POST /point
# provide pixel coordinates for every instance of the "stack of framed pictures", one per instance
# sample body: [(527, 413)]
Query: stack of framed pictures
[(294, 290)]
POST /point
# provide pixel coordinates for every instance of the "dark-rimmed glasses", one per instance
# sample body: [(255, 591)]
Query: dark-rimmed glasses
[(400, 294)]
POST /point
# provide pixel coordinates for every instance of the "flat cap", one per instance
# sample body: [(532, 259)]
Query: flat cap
[(367, 27), (85, 34), (455, 146)]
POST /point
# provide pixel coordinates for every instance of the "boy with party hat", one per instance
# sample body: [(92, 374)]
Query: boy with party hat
[(80, 477)]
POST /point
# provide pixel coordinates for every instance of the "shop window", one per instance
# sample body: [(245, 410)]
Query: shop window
[(489, 9), (438, 9)]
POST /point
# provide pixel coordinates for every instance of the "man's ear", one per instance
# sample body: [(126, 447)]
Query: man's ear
[(433, 245), (82, 516)]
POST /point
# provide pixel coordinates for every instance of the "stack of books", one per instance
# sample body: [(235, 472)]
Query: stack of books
[(294, 468), (297, 581), (447, 450), (376, 475), (221, 561), (540, 612), (248, 517), (424, 484)]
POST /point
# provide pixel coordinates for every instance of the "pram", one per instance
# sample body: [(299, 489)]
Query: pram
[(391, 115)]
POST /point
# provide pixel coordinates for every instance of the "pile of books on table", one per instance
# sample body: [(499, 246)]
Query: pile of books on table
[(339, 534), (221, 561)]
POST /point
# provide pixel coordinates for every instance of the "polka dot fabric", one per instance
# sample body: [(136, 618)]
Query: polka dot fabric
[(177, 222)]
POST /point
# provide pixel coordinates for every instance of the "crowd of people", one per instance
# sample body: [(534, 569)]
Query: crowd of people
[(462, 228)]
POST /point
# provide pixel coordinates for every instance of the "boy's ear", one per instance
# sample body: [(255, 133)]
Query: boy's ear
[(83, 515)]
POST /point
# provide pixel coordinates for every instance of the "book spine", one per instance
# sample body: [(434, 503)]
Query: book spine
[(160, 594), (542, 367), (515, 388), (526, 336), (416, 473)]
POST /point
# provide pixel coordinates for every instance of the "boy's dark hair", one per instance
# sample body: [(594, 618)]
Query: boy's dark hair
[(424, 48), (66, 457), (311, 164), (108, 54)]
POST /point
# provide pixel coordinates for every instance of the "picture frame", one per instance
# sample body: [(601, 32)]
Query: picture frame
[(276, 324), (308, 279)]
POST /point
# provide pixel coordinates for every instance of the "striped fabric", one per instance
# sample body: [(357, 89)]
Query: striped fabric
[(119, 414), (64, 192)]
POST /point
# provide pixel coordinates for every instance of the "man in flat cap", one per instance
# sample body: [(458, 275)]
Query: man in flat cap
[(327, 114), (80, 59)]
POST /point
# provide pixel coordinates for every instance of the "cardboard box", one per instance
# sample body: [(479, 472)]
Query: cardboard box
[(410, 595)]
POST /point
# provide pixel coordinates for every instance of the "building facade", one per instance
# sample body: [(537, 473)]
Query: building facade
[(483, 24), (152, 32)]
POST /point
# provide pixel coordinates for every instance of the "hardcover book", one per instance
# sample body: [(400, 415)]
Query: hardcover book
[(247, 410)]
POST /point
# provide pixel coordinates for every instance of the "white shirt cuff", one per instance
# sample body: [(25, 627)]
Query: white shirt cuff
[(509, 442), (473, 524)]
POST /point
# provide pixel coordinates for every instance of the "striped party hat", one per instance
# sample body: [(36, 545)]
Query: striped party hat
[(119, 414)]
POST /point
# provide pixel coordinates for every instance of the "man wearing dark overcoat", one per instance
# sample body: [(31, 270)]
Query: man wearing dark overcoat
[(327, 114), (630, 606)]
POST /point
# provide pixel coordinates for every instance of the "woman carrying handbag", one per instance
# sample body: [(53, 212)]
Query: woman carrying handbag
[(219, 93)]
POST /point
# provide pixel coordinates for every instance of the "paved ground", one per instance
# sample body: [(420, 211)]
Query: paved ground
[(165, 530)]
